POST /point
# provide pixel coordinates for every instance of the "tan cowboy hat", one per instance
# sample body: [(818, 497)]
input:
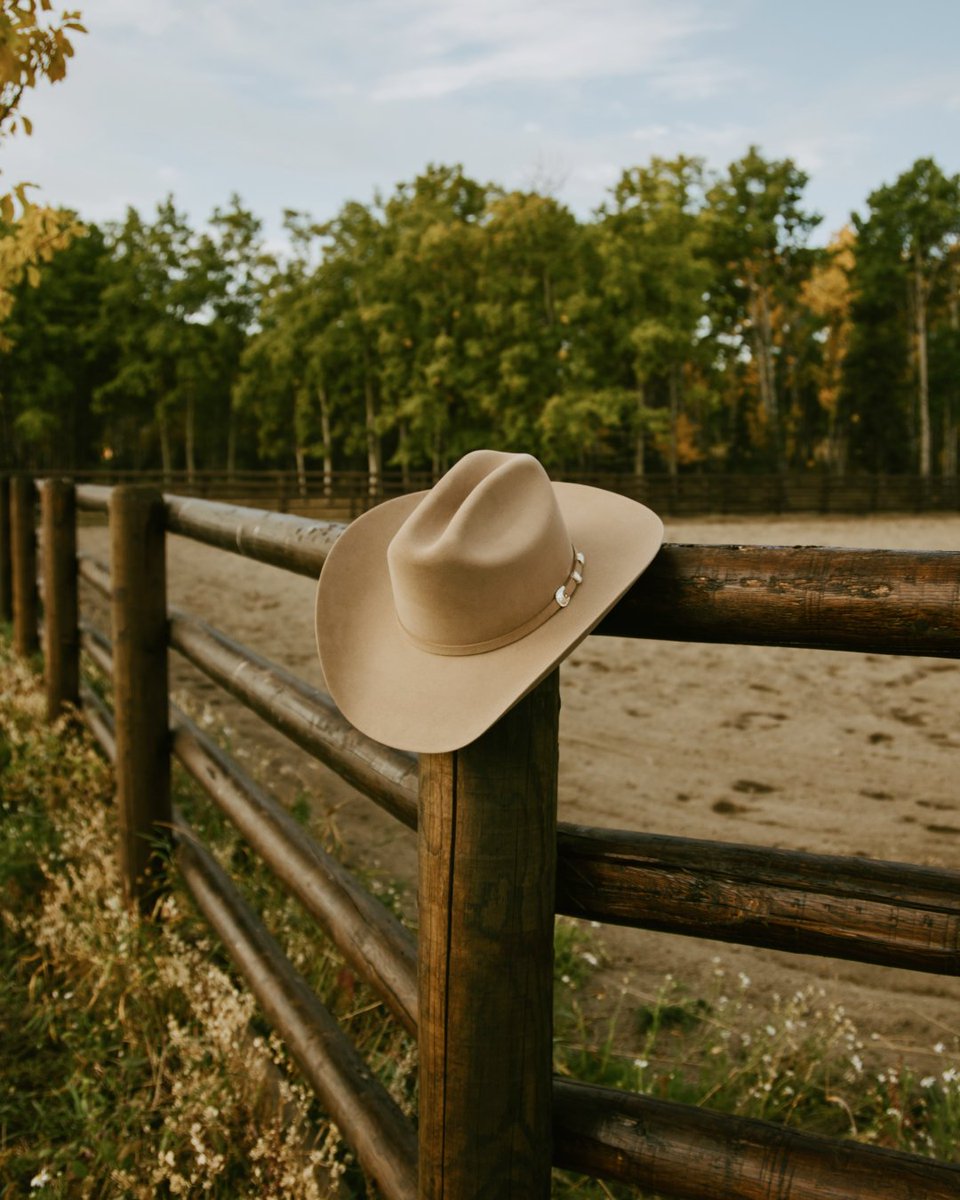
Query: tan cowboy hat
[(438, 611)]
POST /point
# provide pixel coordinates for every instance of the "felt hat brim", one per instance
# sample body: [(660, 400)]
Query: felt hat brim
[(409, 698)]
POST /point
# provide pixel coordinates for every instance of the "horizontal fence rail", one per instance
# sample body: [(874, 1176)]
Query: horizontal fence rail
[(371, 939), (303, 713), (693, 1154), (894, 914), (889, 913), (872, 601)]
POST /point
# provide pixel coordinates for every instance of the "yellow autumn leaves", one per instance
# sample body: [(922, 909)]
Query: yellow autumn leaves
[(34, 45)]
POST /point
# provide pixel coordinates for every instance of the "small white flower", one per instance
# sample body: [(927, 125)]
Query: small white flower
[(928, 1081), (939, 1048), (41, 1180), (641, 1064)]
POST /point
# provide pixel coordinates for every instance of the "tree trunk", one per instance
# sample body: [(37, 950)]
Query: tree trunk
[(404, 464), (301, 461), (923, 380), (231, 439), (640, 440), (673, 384), (373, 441), (763, 348), (327, 440), (191, 436), (951, 405), (166, 454)]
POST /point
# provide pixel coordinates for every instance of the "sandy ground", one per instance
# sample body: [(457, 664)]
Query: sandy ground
[(807, 750)]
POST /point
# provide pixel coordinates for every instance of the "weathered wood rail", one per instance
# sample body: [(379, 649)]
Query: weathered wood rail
[(495, 866)]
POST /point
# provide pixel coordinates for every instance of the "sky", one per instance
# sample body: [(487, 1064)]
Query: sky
[(308, 105)]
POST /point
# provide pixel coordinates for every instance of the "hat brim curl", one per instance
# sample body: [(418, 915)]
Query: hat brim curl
[(408, 698)]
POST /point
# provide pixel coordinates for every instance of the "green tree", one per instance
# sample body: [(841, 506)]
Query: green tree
[(428, 335), (232, 262), (530, 293), (60, 353), (653, 282), (757, 237), (907, 242), (159, 300)]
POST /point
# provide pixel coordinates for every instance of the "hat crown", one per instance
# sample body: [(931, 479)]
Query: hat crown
[(482, 554)]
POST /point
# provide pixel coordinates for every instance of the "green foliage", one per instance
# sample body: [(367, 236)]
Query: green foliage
[(688, 325), (61, 353), (907, 329)]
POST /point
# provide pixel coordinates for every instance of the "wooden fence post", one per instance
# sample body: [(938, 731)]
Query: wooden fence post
[(61, 635), (487, 867), (23, 546), (140, 700), (6, 579)]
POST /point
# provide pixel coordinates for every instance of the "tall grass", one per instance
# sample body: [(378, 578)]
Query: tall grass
[(133, 1064)]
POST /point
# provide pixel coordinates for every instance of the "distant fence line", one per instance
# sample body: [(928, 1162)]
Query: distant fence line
[(345, 494), (475, 984)]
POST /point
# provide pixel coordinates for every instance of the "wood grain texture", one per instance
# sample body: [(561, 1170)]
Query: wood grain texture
[(878, 601), (894, 914), (23, 561), (487, 844), (61, 637), (139, 634), (693, 1154), (295, 543)]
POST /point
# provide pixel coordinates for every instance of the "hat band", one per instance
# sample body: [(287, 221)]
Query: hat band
[(560, 599)]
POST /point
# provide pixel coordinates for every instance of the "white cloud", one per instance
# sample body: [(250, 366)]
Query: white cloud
[(494, 42)]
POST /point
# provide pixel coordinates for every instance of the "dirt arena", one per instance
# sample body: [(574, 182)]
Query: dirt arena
[(807, 750)]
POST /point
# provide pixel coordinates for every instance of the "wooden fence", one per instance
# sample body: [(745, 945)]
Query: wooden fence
[(345, 494), (494, 866)]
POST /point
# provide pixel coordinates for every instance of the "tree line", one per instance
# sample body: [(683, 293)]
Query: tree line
[(688, 325)]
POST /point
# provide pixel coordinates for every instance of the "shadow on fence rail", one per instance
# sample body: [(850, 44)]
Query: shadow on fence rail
[(476, 987)]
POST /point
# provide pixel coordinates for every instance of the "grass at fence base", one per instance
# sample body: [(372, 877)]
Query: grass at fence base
[(126, 1047), (798, 1059)]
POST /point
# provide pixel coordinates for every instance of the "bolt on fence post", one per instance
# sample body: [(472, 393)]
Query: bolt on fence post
[(61, 636), (140, 699), (487, 870), (23, 547), (6, 579)]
